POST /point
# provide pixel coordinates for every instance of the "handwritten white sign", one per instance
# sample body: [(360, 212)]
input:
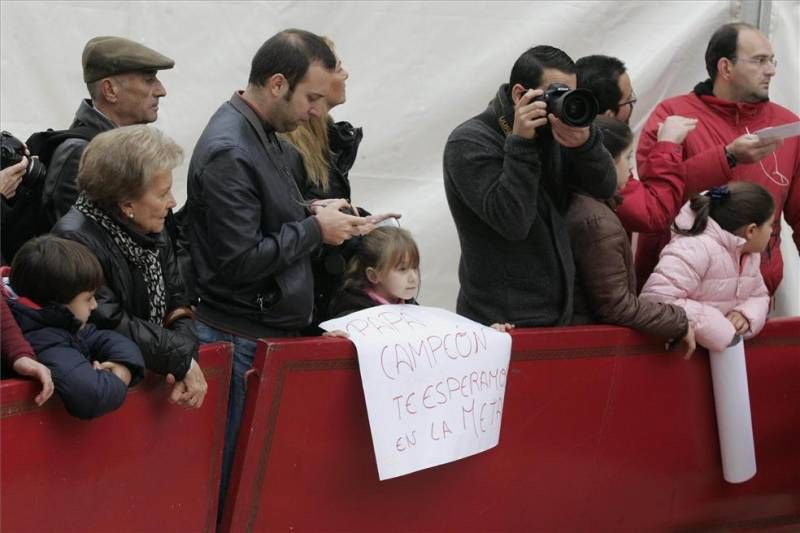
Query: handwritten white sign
[(434, 383)]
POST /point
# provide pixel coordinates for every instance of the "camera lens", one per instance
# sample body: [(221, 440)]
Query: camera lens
[(575, 108), (36, 171), (578, 108)]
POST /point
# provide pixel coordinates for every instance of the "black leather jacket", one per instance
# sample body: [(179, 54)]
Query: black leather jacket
[(61, 182), (122, 303), (250, 236)]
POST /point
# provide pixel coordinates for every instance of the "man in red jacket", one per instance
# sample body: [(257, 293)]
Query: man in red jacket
[(729, 108)]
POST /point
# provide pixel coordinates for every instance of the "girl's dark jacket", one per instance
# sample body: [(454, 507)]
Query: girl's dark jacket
[(123, 304), (68, 351), (353, 299)]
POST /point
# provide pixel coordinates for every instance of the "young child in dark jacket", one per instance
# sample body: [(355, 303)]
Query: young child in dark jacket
[(52, 285), (383, 270)]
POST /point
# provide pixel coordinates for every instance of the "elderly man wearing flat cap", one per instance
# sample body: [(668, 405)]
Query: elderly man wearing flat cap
[(121, 77)]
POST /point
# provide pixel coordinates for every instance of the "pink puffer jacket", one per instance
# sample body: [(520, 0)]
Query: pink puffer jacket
[(709, 276)]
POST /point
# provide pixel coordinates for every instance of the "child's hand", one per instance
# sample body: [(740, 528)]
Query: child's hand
[(26, 366), (502, 327), (675, 128), (121, 371), (336, 333), (739, 322)]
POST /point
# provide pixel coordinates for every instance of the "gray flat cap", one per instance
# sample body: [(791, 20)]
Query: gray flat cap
[(108, 55)]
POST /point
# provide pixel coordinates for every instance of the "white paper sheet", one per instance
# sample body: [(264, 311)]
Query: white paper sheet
[(732, 402), (434, 383), (783, 131)]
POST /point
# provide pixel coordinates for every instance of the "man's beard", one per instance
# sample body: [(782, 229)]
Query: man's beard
[(754, 97)]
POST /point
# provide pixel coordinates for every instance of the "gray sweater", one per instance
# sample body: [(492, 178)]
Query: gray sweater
[(508, 202)]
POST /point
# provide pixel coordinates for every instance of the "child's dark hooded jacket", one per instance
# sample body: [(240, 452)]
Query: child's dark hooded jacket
[(68, 351)]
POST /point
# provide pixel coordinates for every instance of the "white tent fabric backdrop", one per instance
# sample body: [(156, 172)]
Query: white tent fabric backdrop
[(417, 69)]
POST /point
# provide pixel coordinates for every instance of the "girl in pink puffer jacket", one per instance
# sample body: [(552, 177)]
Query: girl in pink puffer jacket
[(712, 269)]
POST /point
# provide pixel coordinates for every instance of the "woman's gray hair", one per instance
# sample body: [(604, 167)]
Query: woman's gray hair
[(117, 165)]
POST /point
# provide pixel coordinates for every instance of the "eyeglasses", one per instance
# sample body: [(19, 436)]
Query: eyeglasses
[(630, 101), (761, 61)]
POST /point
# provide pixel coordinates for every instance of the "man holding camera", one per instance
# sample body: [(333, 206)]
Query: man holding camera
[(508, 175), (120, 75)]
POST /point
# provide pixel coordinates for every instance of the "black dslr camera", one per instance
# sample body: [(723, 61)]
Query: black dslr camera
[(574, 107), (12, 150)]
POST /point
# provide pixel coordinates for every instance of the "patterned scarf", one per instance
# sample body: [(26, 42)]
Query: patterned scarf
[(145, 260)]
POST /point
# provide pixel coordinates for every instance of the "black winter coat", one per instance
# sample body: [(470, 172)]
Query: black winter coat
[(68, 351), (508, 196), (352, 300), (344, 140), (122, 303)]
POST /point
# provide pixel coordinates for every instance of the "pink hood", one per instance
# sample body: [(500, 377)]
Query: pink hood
[(709, 276)]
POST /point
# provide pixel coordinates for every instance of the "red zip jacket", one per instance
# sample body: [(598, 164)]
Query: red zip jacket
[(650, 206)]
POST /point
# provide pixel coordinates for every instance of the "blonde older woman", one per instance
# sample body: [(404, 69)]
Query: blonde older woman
[(125, 181)]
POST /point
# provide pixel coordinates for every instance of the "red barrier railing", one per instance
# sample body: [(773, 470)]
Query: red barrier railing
[(602, 431), (149, 466)]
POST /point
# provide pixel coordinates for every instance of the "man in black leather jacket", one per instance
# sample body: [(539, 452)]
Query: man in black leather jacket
[(121, 78), (249, 230)]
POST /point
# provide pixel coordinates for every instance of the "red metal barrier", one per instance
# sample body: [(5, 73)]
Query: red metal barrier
[(602, 431), (150, 466)]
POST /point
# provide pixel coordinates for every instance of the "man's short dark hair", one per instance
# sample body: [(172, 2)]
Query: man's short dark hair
[(49, 269), (290, 53), (723, 44), (529, 67), (600, 74)]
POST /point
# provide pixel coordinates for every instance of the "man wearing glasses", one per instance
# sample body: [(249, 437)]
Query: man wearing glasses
[(610, 83), (729, 106)]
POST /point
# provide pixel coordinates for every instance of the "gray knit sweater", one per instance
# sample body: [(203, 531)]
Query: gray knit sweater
[(508, 196)]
